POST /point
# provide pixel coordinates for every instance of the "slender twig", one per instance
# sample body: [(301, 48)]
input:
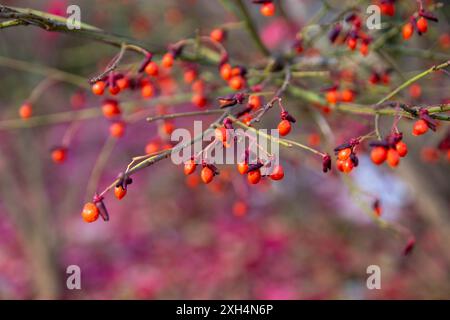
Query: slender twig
[(183, 114)]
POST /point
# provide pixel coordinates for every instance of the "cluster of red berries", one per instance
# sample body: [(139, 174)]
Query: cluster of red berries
[(418, 24), (235, 76), (352, 35), (391, 149), (267, 8), (333, 95), (346, 156)]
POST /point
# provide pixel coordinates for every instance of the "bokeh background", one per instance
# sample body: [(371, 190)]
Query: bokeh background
[(306, 237)]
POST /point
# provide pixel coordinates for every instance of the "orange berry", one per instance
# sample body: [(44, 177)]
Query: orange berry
[(344, 154), (59, 155), (347, 95), (199, 100), (167, 60), (415, 91), (237, 82), (147, 91), (420, 127), (240, 208), (314, 139), (254, 176), (378, 155), (152, 69), (189, 167), (242, 168), (198, 86), (217, 35), (284, 127), (332, 96), (207, 175), (267, 9), (167, 127), (26, 111), (189, 76), (98, 88), (120, 192), (254, 102), (90, 212), (407, 31), (401, 148), (352, 43), (393, 158), (364, 49), (422, 25), (110, 109), (225, 71), (123, 83), (347, 165), (117, 129), (387, 8), (192, 181), (151, 147), (277, 173), (114, 90)]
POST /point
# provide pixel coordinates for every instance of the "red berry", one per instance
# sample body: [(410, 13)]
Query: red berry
[(364, 49), (225, 71), (254, 176), (415, 91), (352, 43), (151, 147), (198, 86), (420, 127), (401, 148), (237, 82), (240, 208), (189, 76), (189, 167), (407, 31), (117, 129), (378, 155), (26, 111), (422, 25), (167, 60), (120, 192), (284, 127), (277, 173), (110, 109), (217, 35), (388, 8), (123, 83), (242, 168), (221, 134), (344, 154), (254, 102), (207, 175), (114, 90), (147, 91), (59, 155), (98, 88), (347, 95), (347, 165), (332, 96), (393, 158), (167, 127), (152, 69), (268, 9), (199, 100), (90, 212)]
